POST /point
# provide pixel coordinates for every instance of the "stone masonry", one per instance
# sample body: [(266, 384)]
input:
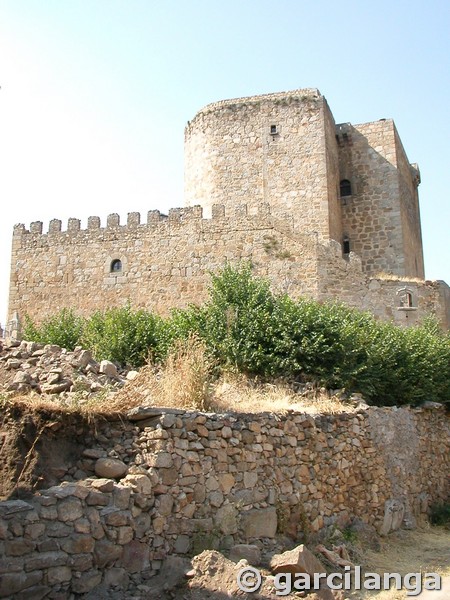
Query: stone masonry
[(169, 481), (285, 149), (323, 210)]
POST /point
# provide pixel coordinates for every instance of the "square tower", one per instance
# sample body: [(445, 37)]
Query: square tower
[(379, 198)]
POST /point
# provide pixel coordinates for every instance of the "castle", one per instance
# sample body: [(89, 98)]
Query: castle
[(323, 210)]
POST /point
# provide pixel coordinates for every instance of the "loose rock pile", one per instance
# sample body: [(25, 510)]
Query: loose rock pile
[(49, 369)]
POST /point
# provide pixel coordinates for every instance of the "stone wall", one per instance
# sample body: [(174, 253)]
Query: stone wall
[(165, 262), (409, 179), (371, 215), (333, 177), (179, 480), (381, 217), (344, 280), (381, 297)]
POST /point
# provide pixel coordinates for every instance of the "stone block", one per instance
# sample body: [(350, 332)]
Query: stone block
[(182, 544), (78, 544), (19, 547), (12, 583), (136, 557), (259, 523), (116, 577), (225, 519), (69, 509), (35, 592), (141, 484), (44, 560), (57, 575), (86, 582), (165, 504), (103, 485), (106, 553), (394, 511), (160, 460)]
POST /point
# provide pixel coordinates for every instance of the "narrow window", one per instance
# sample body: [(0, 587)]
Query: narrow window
[(273, 130), (345, 188), (116, 266), (406, 300), (346, 246)]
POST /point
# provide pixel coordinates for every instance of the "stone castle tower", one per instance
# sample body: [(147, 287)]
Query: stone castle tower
[(349, 183), (322, 210)]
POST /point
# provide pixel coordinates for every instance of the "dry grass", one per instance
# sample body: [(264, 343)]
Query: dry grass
[(92, 405), (391, 277), (183, 382), (242, 394)]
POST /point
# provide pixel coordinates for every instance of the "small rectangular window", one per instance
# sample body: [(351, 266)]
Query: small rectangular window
[(273, 129)]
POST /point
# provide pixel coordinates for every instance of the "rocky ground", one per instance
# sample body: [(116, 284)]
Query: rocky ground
[(74, 378), (49, 370)]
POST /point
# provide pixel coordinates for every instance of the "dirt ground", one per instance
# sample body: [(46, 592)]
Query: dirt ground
[(421, 550)]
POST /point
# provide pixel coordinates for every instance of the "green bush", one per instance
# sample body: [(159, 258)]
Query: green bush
[(237, 323), (64, 329), (123, 335), (248, 328)]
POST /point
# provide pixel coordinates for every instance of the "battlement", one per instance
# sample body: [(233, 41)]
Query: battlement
[(188, 214)]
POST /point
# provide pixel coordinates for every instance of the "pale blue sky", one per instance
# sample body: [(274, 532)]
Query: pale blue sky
[(95, 94)]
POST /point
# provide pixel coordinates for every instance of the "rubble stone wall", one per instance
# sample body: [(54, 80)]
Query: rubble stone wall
[(179, 481)]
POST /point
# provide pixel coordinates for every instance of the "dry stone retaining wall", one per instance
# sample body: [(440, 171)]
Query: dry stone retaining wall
[(187, 478)]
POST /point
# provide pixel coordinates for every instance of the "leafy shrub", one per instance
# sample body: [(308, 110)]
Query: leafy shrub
[(65, 329), (237, 323), (245, 327), (123, 335)]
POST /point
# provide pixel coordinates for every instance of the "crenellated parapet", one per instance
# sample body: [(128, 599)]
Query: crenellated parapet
[(176, 216)]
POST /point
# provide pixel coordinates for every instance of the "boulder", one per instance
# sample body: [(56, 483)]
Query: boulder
[(109, 369), (110, 468), (298, 560), (249, 552), (301, 560), (22, 377), (84, 358)]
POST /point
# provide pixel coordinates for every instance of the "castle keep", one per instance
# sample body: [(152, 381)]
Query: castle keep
[(324, 210)]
